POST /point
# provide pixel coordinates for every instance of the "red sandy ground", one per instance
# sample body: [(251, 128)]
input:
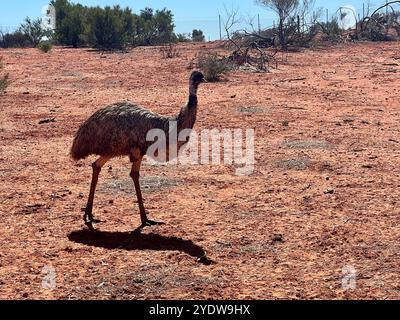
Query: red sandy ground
[(275, 234)]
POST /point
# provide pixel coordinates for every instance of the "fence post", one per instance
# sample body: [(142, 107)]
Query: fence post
[(220, 27), (298, 24), (363, 10)]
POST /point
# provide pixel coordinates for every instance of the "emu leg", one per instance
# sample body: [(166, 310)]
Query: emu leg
[(136, 159), (88, 217)]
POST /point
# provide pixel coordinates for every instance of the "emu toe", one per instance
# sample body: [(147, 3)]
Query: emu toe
[(150, 223), (90, 226), (90, 223)]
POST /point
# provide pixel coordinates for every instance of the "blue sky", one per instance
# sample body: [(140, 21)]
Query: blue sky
[(188, 15)]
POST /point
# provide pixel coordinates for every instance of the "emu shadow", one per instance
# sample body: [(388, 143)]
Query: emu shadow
[(138, 241)]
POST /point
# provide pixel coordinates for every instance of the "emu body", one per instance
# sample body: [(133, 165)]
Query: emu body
[(121, 130)]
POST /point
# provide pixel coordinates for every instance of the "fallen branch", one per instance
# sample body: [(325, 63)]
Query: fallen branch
[(293, 79)]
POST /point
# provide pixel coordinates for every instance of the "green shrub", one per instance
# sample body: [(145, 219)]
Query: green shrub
[(183, 37), (34, 30), (331, 29), (107, 30), (155, 27), (45, 46), (213, 66), (71, 22), (198, 36)]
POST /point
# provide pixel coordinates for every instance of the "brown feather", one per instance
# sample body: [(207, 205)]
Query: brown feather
[(116, 129)]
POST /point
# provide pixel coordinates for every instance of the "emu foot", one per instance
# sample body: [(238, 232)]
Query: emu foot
[(90, 223), (150, 223), (96, 221), (90, 220)]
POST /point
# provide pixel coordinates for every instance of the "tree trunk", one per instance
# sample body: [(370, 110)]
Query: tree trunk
[(282, 37)]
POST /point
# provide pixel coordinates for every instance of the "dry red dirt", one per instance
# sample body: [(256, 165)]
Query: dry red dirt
[(324, 195)]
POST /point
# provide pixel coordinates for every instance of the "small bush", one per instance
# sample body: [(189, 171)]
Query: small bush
[(330, 29), (45, 47), (170, 51), (3, 80), (333, 29), (213, 66), (198, 36), (183, 37), (3, 83)]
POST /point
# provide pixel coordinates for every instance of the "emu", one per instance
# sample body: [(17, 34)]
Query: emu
[(120, 129)]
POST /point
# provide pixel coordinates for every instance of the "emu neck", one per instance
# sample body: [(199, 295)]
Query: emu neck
[(187, 116)]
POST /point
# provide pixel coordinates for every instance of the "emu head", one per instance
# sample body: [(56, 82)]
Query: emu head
[(196, 78)]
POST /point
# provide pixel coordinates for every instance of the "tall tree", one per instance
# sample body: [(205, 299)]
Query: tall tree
[(155, 27)]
